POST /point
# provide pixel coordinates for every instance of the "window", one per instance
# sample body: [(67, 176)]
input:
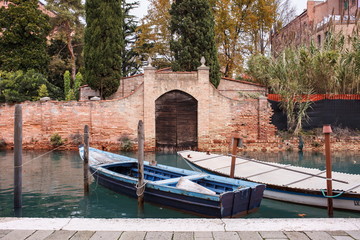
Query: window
[(319, 39)]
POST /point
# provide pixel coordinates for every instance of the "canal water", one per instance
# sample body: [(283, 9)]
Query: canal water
[(53, 187)]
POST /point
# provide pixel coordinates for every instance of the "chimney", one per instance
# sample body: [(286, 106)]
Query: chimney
[(311, 10)]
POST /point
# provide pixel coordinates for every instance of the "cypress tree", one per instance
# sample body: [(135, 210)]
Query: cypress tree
[(104, 41), (130, 58), (67, 84), (23, 32), (192, 27)]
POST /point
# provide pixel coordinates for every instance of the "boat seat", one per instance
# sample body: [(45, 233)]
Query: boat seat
[(160, 176), (175, 180)]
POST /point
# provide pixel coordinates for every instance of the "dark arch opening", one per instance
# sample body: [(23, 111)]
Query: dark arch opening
[(176, 121)]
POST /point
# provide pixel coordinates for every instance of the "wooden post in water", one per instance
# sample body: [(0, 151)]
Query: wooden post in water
[(18, 158), (140, 187), (327, 130), (86, 160), (235, 144)]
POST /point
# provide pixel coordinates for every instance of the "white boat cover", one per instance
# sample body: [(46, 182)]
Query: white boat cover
[(273, 173), (188, 185)]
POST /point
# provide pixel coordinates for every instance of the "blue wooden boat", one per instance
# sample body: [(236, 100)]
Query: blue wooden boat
[(222, 197)]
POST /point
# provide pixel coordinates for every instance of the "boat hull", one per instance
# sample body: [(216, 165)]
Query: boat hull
[(248, 200), (314, 198), (346, 201), (212, 195)]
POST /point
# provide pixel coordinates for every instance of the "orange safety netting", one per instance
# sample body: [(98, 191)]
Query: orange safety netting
[(318, 97)]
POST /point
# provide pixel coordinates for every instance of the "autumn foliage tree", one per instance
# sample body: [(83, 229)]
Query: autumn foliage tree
[(155, 35), (285, 12), (231, 28), (242, 28), (193, 36), (261, 21)]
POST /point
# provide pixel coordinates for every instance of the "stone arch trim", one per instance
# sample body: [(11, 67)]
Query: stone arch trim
[(176, 121)]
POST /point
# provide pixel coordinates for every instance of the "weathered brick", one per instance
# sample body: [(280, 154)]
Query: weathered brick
[(112, 120)]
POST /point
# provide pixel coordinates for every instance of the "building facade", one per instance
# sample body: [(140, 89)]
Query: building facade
[(40, 5), (316, 22)]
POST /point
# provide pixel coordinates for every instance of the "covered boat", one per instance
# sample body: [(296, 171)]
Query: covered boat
[(191, 191), (284, 182)]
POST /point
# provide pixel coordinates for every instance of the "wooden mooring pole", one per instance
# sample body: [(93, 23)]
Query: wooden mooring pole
[(235, 145), (18, 159), (327, 130), (86, 160), (140, 187)]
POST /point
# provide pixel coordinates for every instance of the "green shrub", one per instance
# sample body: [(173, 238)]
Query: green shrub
[(56, 140), (43, 91), (67, 84), (125, 143), (78, 82), (22, 86), (248, 95), (70, 95)]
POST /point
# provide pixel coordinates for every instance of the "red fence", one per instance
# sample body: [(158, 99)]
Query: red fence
[(318, 97)]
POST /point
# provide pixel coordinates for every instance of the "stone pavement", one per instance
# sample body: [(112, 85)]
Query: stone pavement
[(178, 229), (113, 235)]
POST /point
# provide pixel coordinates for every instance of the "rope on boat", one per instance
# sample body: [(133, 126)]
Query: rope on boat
[(335, 196), (97, 182), (140, 189)]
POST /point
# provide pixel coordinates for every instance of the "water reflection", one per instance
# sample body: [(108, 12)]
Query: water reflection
[(53, 187)]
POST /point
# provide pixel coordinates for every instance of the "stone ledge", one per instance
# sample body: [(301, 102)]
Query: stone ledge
[(180, 225)]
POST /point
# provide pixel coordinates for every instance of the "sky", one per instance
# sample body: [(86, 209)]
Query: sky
[(300, 5)]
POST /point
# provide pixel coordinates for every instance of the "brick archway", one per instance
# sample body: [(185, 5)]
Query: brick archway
[(176, 121)]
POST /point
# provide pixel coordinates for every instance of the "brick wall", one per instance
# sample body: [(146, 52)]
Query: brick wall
[(236, 89), (218, 116), (248, 118), (108, 121), (127, 86)]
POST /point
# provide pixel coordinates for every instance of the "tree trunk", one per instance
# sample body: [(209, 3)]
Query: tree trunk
[(71, 51)]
